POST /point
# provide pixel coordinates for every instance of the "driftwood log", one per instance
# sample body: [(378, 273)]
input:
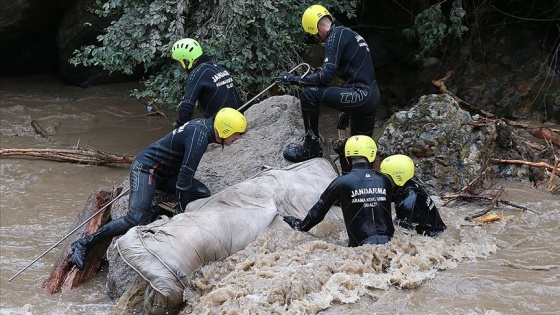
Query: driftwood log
[(65, 275), (81, 156), (38, 129)]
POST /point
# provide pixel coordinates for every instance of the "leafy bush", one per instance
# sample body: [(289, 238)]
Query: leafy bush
[(431, 27), (253, 39)]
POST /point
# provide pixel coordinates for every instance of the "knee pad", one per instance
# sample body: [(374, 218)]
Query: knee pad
[(308, 98)]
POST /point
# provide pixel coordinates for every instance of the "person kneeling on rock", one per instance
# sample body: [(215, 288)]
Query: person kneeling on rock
[(365, 197), (168, 165)]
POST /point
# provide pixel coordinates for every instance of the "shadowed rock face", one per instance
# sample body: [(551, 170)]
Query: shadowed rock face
[(27, 36), (40, 37)]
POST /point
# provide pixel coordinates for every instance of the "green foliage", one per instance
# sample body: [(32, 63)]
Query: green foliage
[(431, 27), (253, 39)]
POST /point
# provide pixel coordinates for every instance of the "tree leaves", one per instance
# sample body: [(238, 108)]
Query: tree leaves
[(253, 39)]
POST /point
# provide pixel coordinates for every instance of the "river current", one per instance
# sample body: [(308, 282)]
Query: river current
[(506, 267)]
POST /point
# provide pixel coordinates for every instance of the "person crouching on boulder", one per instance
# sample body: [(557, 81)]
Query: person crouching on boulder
[(414, 207), (168, 165), (348, 57), (365, 197)]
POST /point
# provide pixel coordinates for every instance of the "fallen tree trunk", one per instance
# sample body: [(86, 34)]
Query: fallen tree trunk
[(81, 156), (64, 275)]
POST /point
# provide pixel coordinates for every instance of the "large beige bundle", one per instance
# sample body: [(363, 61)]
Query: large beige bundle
[(166, 252)]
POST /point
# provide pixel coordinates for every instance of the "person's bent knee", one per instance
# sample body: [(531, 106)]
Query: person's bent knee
[(309, 97)]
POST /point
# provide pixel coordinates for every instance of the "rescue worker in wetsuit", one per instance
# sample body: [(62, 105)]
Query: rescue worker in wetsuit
[(168, 165), (414, 207), (208, 83), (364, 195), (347, 57)]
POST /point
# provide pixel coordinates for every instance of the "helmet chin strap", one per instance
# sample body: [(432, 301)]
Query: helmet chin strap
[(222, 143)]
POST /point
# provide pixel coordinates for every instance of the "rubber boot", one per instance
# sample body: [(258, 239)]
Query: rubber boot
[(309, 149)]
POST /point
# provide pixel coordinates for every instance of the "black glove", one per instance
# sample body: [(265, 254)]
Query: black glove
[(286, 78), (293, 222), (183, 199), (343, 121)]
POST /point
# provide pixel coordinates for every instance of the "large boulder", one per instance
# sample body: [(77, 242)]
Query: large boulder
[(451, 148)]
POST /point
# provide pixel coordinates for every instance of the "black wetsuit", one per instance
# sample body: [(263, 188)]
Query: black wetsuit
[(365, 197), (168, 164), (212, 86), (347, 57), (416, 210)]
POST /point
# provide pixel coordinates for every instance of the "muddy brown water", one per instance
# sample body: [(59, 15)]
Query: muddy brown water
[(508, 267)]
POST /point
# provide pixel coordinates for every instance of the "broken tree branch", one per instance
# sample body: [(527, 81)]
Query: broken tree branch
[(492, 205), (493, 199), (81, 156), (534, 164), (549, 186)]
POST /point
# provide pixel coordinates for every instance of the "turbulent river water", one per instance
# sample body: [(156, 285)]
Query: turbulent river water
[(506, 267)]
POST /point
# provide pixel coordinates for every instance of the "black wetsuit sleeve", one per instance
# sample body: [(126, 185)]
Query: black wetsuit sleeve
[(196, 143), (334, 46), (195, 83), (318, 212)]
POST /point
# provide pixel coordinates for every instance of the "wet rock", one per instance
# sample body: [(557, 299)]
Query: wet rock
[(451, 148), (437, 134)]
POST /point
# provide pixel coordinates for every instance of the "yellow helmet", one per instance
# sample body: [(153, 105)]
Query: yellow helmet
[(400, 167), (229, 121), (311, 17), (361, 146), (186, 49)]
